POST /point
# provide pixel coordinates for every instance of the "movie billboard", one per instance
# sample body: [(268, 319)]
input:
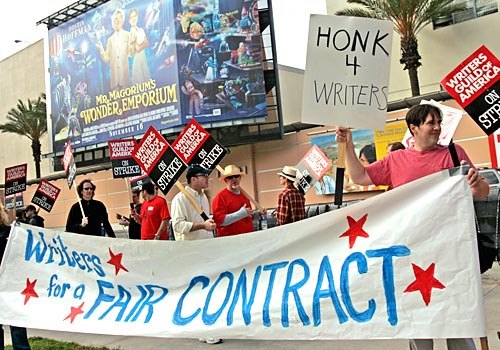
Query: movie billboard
[(127, 65)]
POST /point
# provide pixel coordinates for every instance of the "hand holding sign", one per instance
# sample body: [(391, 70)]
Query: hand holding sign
[(355, 93)]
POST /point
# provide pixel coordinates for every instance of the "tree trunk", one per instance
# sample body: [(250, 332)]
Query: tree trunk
[(36, 147), (410, 58), (414, 83)]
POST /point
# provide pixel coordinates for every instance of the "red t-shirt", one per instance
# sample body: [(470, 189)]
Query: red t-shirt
[(227, 202), (403, 166), (153, 212)]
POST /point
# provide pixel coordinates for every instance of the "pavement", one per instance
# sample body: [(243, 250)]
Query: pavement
[(491, 292)]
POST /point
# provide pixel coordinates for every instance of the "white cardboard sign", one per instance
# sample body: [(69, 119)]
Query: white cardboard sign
[(347, 72)]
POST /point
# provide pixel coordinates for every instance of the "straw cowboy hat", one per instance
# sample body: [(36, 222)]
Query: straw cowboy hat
[(288, 172), (231, 170)]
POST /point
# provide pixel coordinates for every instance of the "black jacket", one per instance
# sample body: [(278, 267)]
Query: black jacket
[(4, 234), (37, 220), (97, 215)]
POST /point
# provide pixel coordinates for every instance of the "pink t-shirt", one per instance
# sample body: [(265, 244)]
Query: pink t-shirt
[(403, 166)]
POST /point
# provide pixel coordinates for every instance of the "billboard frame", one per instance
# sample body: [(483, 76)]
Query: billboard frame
[(229, 132)]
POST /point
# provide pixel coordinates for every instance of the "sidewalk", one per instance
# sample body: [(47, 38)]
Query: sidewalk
[(491, 290)]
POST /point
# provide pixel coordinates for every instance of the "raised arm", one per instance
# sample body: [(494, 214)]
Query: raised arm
[(354, 167)]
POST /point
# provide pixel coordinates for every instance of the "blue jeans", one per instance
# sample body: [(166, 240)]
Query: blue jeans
[(19, 338)]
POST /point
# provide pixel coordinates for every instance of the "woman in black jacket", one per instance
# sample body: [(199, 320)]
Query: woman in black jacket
[(96, 214)]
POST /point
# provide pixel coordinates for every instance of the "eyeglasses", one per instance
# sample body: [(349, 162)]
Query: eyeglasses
[(203, 175), (232, 177), (88, 188)]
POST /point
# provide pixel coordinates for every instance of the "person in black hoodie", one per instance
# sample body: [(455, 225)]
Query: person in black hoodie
[(96, 214), (32, 216), (18, 335)]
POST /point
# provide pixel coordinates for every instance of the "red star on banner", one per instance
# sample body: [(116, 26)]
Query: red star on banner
[(355, 230), (29, 291), (116, 260), (424, 282), (75, 311)]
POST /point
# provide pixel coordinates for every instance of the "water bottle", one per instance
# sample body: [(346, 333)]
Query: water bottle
[(263, 222)]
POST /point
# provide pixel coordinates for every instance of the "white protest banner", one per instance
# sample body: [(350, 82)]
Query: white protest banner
[(475, 85), (360, 272), (347, 72), (451, 119)]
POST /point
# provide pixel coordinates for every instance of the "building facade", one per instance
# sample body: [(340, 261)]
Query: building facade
[(442, 49)]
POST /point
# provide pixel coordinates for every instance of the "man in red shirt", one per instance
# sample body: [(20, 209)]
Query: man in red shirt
[(232, 210), (154, 217), (291, 203)]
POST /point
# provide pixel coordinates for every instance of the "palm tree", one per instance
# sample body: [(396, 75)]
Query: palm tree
[(29, 120), (408, 17)]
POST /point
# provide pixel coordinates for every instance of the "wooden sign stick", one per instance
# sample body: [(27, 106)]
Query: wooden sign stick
[(79, 199), (339, 177), (195, 204)]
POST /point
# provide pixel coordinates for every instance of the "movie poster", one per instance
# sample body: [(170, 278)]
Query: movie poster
[(128, 65), (364, 146)]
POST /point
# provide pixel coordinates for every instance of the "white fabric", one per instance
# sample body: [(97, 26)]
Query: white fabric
[(312, 279), (184, 215)]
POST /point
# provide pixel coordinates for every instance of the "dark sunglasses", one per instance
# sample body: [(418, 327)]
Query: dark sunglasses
[(232, 177), (88, 188)]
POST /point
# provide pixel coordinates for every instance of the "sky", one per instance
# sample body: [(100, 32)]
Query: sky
[(19, 23)]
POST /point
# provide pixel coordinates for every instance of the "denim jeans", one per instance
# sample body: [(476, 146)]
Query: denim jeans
[(19, 338)]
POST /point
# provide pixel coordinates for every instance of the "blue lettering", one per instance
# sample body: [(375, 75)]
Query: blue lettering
[(179, 320), (344, 288), (120, 303), (294, 290), (265, 309), (326, 269), (210, 319), (102, 297), (241, 288), (388, 276), (30, 250), (137, 304), (149, 301)]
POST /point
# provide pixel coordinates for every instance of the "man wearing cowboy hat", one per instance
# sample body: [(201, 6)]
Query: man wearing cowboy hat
[(291, 203), (232, 210)]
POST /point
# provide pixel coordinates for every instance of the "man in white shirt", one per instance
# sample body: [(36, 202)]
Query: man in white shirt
[(187, 223)]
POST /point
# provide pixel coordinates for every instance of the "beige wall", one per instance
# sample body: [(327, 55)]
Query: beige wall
[(262, 160), (23, 78)]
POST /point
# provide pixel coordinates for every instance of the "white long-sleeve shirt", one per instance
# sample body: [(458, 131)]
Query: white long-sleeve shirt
[(184, 215)]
